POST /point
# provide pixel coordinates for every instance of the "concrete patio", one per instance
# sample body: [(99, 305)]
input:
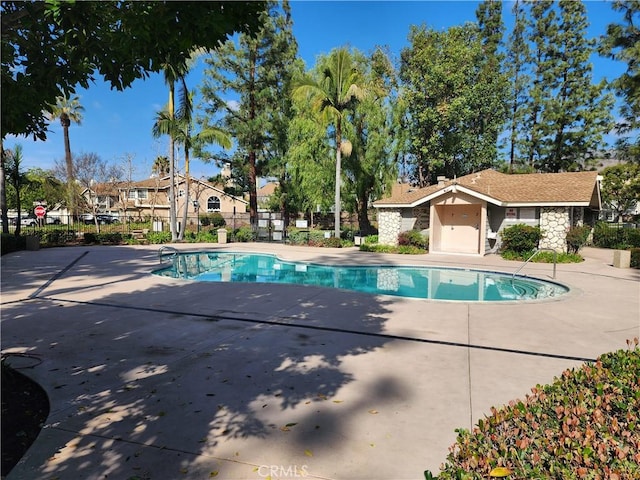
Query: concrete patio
[(156, 378)]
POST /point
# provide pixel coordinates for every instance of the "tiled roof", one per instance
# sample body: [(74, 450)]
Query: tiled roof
[(533, 188)]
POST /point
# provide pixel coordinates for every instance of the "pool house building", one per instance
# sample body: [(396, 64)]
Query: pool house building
[(467, 214)]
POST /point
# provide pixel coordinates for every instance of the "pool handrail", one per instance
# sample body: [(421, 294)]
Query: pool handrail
[(173, 251), (538, 250)]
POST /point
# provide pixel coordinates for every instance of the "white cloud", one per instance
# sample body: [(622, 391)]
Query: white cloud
[(233, 105)]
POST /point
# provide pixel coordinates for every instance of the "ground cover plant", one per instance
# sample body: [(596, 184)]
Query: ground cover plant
[(585, 425), (411, 242)]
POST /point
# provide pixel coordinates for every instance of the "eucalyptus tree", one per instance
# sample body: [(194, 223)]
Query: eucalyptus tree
[(622, 43), (68, 110), (334, 89), (245, 82)]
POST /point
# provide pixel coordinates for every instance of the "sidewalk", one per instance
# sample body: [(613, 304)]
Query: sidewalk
[(155, 378)]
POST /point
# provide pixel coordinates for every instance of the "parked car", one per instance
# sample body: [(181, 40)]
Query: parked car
[(52, 220), (107, 219), (25, 221), (103, 219)]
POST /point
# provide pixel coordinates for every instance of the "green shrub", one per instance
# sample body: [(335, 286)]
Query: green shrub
[(215, 219), (158, 237), (584, 425), (244, 234), (58, 236), (414, 238), (635, 258), (520, 238), (313, 238), (542, 257), (332, 242), (90, 238), (130, 239), (297, 236), (376, 248), (348, 233), (562, 257), (410, 250), (11, 243), (607, 235), (206, 236), (404, 249), (114, 238), (371, 239), (577, 238)]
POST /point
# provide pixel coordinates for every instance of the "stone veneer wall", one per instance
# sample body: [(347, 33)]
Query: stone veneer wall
[(554, 223), (389, 224)]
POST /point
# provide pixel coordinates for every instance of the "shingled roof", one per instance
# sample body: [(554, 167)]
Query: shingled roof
[(547, 189)]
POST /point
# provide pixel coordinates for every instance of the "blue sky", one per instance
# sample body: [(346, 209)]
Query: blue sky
[(118, 124)]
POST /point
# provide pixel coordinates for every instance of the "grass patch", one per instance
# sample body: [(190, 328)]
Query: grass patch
[(403, 249), (542, 257)]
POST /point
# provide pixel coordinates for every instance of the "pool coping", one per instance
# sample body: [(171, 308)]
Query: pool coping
[(378, 265)]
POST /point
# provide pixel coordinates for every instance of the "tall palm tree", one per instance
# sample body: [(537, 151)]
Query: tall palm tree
[(171, 75), (333, 93), (174, 70), (178, 127), (68, 110)]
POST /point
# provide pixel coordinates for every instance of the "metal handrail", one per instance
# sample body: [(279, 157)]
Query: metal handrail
[(538, 250), (164, 248)]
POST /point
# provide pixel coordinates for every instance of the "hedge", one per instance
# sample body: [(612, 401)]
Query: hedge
[(584, 425)]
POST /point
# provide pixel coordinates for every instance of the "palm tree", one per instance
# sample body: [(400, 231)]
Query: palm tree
[(178, 127), (332, 94), (68, 110), (17, 179), (160, 166)]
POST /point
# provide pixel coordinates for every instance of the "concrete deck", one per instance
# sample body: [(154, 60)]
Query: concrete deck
[(155, 378)]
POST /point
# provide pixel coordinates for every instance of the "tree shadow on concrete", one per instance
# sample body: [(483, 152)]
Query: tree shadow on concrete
[(195, 380)]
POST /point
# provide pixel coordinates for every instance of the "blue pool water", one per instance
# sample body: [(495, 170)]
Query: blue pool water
[(418, 282)]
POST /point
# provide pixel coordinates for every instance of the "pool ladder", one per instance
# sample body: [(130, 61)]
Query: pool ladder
[(172, 252), (538, 250)]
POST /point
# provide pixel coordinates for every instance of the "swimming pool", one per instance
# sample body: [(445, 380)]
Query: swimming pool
[(435, 283)]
